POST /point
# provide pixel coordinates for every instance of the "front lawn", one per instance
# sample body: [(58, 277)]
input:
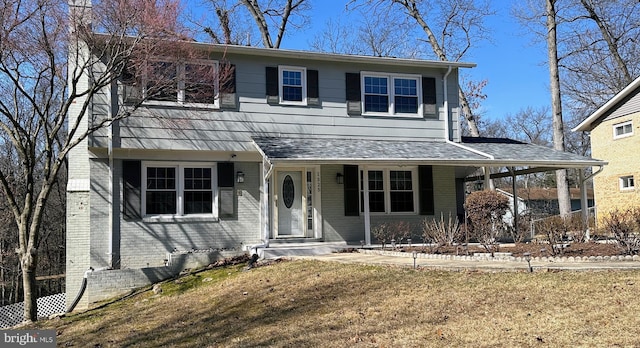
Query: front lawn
[(316, 304)]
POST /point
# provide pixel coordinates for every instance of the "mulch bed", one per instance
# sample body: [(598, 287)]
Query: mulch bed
[(535, 249)]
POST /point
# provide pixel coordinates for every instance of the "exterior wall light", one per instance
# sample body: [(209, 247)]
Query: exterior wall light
[(239, 177), (339, 179)]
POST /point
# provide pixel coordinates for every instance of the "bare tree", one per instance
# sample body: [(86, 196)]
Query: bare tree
[(274, 16), (369, 33), (44, 63), (562, 183), (452, 28)]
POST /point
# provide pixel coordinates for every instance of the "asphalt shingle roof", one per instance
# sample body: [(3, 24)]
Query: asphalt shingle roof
[(472, 151)]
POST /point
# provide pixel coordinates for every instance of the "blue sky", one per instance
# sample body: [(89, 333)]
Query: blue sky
[(512, 63)]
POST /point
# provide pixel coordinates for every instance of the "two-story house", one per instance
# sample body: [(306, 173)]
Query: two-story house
[(615, 135), (293, 145)]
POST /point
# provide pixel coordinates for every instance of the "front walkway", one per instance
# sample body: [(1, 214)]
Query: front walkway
[(406, 260)]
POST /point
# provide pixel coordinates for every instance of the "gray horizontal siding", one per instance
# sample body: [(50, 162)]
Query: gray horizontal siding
[(337, 227), (628, 106), (157, 127), (143, 244)]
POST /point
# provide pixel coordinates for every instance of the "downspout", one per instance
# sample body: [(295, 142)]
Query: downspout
[(584, 199), (110, 227)]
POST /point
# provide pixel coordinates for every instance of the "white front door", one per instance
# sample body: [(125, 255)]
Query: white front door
[(291, 212)]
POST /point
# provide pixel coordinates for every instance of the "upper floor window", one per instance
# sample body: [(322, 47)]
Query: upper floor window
[(194, 82), (390, 94), (178, 189), (622, 130), (292, 84), (627, 182)]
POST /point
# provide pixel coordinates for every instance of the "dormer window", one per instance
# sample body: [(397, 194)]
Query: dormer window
[(622, 130), (391, 94)]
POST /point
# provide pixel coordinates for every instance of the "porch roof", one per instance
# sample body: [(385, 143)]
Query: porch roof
[(493, 152)]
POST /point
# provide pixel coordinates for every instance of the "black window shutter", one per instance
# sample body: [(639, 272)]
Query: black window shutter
[(225, 174), (312, 84), (227, 78), (351, 191), (132, 192), (353, 87), (313, 91), (428, 90), (352, 84), (272, 81), (425, 177), (429, 95)]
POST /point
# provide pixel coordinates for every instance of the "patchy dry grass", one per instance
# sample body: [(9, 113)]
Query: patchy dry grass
[(315, 304)]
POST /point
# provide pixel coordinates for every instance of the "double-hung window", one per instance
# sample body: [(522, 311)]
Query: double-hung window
[(193, 82), (292, 84), (392, 94), (390, 191), (627, 183), (178, 189), (622, 130)]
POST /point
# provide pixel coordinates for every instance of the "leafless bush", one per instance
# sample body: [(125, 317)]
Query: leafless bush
[(555, 230), (623, 227), (392, 232), (381, 233), (523, 228), (441, 232), (485, 210)]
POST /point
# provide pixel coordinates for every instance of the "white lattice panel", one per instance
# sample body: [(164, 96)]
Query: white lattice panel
[(12, 314)]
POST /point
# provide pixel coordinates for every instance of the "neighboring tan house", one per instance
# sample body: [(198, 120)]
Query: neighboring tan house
[(298, 146), (615, 137)]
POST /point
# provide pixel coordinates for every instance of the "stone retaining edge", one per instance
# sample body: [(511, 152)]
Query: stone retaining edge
[(502, 258)]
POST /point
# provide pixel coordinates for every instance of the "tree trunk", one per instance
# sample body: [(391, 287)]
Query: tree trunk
[(562, 184), (28, 262), (412, 9), (612, 43)]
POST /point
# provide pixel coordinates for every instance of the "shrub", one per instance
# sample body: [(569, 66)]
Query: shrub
[(556, 231), (441, 232), (381, 233), (623, 227), (485, 210), (395, 231)]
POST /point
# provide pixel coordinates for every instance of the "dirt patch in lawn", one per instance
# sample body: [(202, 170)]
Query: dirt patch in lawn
[(535, 249)]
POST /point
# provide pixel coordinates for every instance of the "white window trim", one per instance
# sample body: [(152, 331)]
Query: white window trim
[(622, 125), (390, 88), (386, 178), (303, 73), (180, 66), (180, 190), (625, 179)]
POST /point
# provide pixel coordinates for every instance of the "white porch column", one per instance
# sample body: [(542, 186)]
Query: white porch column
[(584, 202), (367, 215), (487, 179)]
